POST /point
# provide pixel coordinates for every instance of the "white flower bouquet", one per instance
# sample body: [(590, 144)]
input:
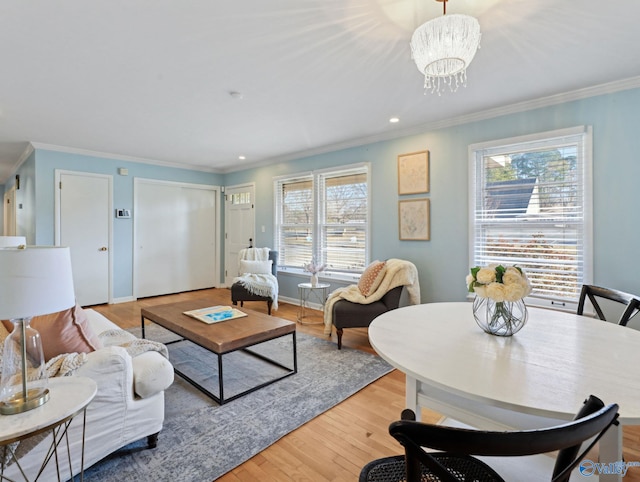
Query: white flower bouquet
[(499, 283), (499, 306)]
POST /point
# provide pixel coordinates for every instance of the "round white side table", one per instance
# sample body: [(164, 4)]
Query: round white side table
[(309, 293), (69, 396)]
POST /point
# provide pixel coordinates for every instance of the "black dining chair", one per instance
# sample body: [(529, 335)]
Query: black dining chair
[(454, 460), (597, 293)]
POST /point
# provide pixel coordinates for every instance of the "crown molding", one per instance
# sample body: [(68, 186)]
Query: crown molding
[(120, 157), (562, 98), (23, 157), (593, 91), (584, 93)]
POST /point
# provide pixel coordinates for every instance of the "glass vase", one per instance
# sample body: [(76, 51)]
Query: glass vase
[(314, 280), (501, 318), (22, 354)]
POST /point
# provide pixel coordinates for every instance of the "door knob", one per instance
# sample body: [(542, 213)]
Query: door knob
[(104, 248)]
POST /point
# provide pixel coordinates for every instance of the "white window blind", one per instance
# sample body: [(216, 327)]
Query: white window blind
[(296, 220), (532, 207), (324, 216), (343, 220)]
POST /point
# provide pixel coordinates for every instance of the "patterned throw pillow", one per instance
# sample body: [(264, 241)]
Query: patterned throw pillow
[(372, 277)]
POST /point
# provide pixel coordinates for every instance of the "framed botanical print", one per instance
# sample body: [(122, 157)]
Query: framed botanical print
[(413, 173), (413, 215)]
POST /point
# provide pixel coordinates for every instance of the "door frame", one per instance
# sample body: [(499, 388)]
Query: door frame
[(58, 218), (10, 212)]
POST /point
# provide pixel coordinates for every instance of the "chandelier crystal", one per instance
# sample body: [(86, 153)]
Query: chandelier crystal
[(443, 48)]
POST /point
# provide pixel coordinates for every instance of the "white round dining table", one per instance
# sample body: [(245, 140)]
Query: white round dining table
[(538, 377)]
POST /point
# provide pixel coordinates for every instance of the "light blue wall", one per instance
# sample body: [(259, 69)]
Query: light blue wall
[(48, 161), (442, 262)]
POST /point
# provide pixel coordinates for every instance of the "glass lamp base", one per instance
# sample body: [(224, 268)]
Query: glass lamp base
[(23, 385), (18, 403)]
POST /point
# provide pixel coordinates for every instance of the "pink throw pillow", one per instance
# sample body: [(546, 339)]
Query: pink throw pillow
[(67, 331)]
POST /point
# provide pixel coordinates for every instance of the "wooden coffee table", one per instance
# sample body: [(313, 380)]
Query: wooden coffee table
[(223, 337)]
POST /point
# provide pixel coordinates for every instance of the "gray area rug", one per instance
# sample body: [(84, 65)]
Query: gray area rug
[(202, 441)]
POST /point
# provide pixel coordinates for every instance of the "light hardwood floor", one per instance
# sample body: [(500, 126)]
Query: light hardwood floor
[(337, 444)]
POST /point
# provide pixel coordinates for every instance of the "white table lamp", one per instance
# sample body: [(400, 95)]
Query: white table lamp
[(33, 281)]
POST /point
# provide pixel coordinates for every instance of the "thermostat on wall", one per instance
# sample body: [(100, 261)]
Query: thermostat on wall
[(123, 213)]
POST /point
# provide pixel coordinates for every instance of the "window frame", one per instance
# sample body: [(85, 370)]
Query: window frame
[(528, 143), (315, 177)]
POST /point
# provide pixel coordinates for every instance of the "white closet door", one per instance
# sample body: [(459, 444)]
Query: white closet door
[(199, 217), (175, 237)]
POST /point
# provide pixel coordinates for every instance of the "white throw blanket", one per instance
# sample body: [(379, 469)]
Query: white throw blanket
[(258, 284), (135, 346), (67, 363), (398, 272)]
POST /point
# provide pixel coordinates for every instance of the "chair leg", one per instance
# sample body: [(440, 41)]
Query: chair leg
[(241, 304), (269, 304), (152, 440), (234, 302), (339, 333)]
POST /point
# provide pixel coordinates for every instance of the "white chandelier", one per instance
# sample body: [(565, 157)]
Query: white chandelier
[(443, 48)]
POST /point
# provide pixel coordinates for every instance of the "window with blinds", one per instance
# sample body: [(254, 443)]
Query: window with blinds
[(296, 221), (324, 216), (531, 206)]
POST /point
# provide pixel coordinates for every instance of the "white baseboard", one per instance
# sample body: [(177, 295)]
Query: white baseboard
[(296, 301), (287, 299), (125, 299)]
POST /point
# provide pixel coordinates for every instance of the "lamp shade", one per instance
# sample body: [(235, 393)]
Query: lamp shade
[(12, 241), (35, 281)]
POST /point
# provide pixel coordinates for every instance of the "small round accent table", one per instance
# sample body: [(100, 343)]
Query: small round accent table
[(69, 396), (308, 293)]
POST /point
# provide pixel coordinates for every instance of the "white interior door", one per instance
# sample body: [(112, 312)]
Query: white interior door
[(239, 226), (175, 237), (84, 223), (10, 212)]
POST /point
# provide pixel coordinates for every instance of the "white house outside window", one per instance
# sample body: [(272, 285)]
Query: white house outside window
[(324, 215), (531, 206)]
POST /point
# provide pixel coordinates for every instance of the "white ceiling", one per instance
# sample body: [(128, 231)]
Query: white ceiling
[(150, 79)]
